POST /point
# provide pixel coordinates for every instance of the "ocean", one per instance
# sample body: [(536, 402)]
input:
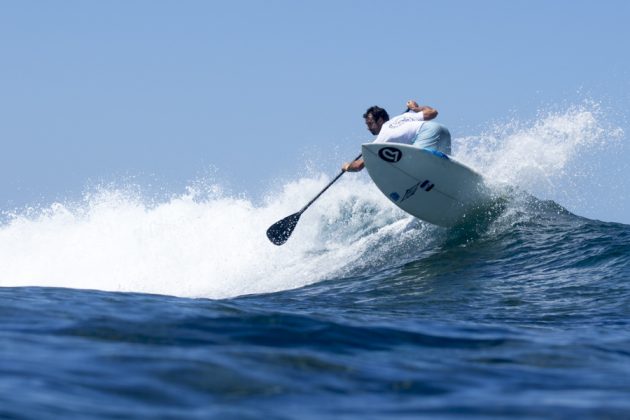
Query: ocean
[(122, 306)]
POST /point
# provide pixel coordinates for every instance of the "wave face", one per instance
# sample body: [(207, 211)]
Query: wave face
[(204, 243), (400, 320)]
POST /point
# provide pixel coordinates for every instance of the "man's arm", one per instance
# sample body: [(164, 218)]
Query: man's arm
[(427, 112)]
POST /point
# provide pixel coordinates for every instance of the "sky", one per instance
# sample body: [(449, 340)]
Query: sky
[(253, 93)]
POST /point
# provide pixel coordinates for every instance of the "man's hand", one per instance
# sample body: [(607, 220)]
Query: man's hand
[(428, 113), (355, 166)]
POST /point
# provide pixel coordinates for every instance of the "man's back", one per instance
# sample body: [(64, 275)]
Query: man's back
[(401, 129)]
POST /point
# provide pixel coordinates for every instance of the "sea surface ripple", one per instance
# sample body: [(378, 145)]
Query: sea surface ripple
[(530, 320)]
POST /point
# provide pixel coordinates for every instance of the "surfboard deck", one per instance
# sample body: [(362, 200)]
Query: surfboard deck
[(427, 184)]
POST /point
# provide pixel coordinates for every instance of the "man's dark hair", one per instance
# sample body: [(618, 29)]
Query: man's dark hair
[(377, 112)]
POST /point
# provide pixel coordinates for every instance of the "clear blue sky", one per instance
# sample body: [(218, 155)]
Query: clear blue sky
[(161, 91)]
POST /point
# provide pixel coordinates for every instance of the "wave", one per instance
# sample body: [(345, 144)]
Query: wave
[(205, 243)]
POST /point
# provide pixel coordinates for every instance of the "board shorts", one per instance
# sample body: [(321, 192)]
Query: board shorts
[(432, 135)]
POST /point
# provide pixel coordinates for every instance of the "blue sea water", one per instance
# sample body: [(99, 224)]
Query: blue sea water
[(117, 308)]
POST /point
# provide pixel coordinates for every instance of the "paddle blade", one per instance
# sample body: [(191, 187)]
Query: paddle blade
[(279, 232)]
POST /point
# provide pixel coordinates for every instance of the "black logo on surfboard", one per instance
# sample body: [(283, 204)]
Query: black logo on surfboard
[(390, 154), (426, 185)]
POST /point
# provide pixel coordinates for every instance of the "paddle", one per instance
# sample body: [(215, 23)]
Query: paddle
[(279, 232)]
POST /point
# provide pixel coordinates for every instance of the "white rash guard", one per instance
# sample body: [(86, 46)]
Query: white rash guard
[(401, 129)]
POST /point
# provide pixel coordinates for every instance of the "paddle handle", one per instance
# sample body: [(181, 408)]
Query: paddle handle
[(326, 187)]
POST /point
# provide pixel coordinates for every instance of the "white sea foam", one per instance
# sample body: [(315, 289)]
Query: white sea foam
[(214, 245), (550, 157)]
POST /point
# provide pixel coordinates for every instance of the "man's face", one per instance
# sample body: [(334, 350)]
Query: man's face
[(373, 126)]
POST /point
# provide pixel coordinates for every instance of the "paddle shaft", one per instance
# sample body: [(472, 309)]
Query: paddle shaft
[(279, 232), (325, 188)]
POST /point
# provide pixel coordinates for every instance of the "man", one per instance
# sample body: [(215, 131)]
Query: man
[(411, 127)]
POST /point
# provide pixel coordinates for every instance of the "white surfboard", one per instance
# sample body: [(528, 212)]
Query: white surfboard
[(429, 185)]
